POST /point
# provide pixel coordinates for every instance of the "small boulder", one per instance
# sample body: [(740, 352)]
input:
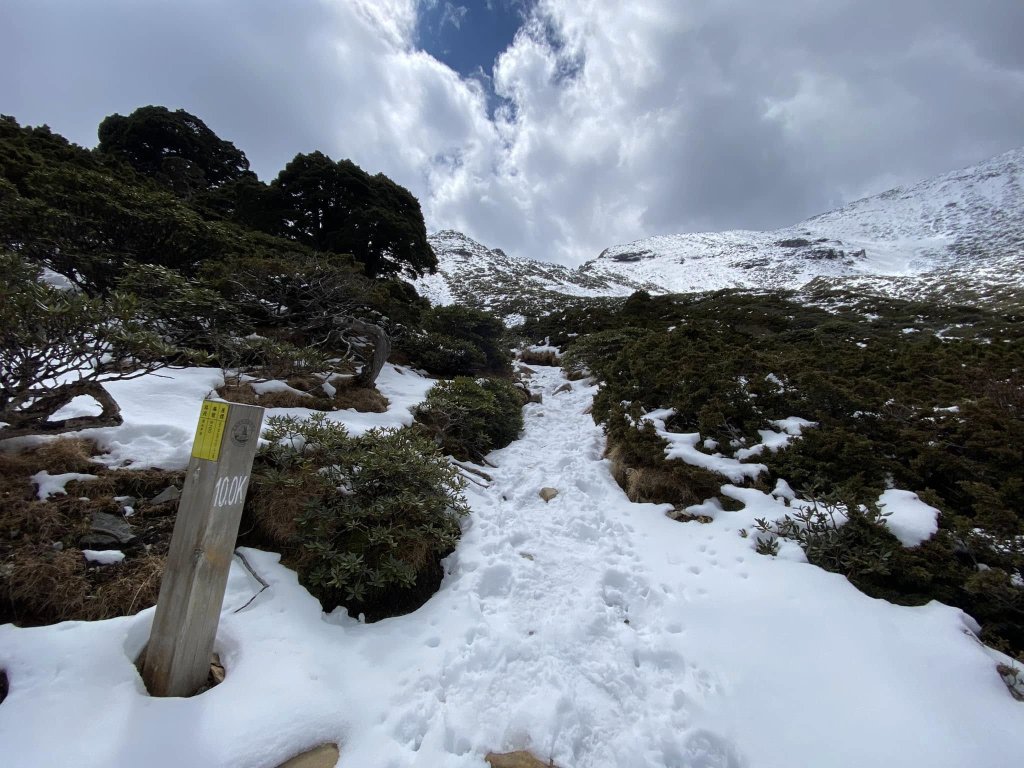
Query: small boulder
[(170, 493), (107, 532), (548, 493), (567, 387)]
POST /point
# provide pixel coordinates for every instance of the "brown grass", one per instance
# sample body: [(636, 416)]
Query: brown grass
[(45, 586), (680, 485), (130, 587), (271, 510), (244, 394), (363, 399), (43, 576), (56, 457), (140, 483), (547, 357)]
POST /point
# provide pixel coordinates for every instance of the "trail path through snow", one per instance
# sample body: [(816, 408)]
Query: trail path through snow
[(588, 629)]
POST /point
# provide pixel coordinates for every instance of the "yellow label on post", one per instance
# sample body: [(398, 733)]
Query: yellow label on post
[(212, 419)]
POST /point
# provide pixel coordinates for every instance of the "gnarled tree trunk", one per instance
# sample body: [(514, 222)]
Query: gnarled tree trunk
[(381, 348), (33, 420)]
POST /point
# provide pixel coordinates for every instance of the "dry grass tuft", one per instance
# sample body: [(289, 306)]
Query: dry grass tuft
[(348, 395), (272, 508), (243, 393), (363, 399), (533, 357), (56, 457), (43, 576), (44, 586), (680, 485), (128, 588), (139, 483), (65, 517)]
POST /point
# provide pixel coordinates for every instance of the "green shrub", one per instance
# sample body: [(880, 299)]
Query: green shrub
[(730, 363), (270, 358), (364, 520), (56, 345), (444, 355), (469, 418), (837, 535), (460, 341), (184, 312)]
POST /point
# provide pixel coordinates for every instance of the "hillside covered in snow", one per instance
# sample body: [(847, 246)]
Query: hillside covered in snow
[(957, 236)]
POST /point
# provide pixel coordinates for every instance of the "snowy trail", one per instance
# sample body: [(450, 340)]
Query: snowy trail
[(588, 629), (559, 582)]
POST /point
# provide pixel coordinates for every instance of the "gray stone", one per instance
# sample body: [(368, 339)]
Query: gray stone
[(170, 493), (107, 531), (548, 493)]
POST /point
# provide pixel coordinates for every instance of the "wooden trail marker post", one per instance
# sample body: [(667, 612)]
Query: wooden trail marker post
[(177, 659)]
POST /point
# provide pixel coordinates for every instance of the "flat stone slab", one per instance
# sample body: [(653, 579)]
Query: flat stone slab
[(107, 531), (324, 756)]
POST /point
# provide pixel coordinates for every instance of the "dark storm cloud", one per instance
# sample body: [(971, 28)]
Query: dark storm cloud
[(672, 116)]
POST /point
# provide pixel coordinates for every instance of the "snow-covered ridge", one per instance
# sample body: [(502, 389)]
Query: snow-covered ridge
[(968, 221), (963, 230), (472, 274)]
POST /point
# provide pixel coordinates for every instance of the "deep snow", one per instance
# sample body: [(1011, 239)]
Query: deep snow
[(589, 629)]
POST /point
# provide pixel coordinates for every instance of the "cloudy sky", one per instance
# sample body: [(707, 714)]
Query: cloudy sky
[(552, 128)]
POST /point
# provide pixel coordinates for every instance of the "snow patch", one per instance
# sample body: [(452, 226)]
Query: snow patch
[(103, 556), (683, 446), (77, 407), (910, 519), (53, 485)]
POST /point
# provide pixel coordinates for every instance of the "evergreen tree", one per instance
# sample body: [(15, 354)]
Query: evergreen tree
[(338, 207), (176, 148)]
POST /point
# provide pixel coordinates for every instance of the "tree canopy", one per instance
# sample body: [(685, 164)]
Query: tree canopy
[(176, 148), (338, 207)]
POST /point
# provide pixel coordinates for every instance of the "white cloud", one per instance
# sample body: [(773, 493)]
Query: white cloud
[(623, 119)]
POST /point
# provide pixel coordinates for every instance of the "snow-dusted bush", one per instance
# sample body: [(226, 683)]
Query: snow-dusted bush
[(469, 418), (838, 536), (364, 520)]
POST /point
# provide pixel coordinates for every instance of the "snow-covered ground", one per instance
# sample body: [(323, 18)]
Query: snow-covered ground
[(160, 411), (588, 629)]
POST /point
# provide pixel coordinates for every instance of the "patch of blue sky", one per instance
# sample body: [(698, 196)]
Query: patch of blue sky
[(468, 35)]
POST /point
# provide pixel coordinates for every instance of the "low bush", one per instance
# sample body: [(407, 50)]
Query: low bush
[(270, 358), (364, 520), (837, 536), (459, 341), (468, 418), (444, 355)]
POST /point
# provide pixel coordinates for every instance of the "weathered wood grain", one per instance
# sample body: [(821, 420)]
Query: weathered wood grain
[(177, 658)]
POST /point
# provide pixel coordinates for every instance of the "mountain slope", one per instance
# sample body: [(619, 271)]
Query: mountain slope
[(963, 227), (958, 236), (472, 274)]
